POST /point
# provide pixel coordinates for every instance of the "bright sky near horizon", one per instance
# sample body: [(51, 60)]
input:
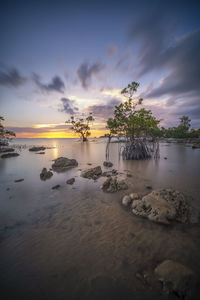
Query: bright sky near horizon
[(62, 58)]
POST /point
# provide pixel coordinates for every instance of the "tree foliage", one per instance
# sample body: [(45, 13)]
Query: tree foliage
[(130, 121), (5, 134), (81, 126)]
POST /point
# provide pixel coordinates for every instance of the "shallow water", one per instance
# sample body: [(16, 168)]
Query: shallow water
[(80, 243)]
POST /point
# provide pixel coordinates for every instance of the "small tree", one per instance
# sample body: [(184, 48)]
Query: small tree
[(135, 124), (5, 135), (81, 126)]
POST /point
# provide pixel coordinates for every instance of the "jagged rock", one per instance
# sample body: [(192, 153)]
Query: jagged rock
[(107, 164), (44, 175), (126, 200), (111, 185), (37, 148), (19, 180), (106, 174), (55, 187), (70, 181), (8, 155), (6, 149), (164, 206), (63, 163), (92, 173), (175, 277)]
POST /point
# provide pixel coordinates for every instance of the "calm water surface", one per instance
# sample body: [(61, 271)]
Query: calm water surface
[(80, 243)]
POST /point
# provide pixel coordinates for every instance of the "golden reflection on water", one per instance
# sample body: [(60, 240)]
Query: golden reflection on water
[(55, 150)]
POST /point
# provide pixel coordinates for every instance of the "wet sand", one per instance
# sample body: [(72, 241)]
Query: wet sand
[(78, 242)]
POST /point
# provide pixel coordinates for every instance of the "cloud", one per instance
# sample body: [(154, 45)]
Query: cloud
[(104, 111), (161, 48), (19, 129), (11, 77), (86, 71), (111, 50), (56, 84), (68, 106)]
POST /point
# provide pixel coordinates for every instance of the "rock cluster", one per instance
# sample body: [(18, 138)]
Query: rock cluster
[(62, 164), (44, 175), (128, 199), (164, 206), (92, 173), (112, 185)]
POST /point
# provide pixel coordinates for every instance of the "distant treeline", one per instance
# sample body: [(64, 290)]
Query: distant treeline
[(181, 131)]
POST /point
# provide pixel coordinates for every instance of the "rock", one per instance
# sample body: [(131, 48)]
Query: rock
[(92, 173), (107, 164), (111, 185), (106, 174), (164, 206), (114, 172), (44, 175), (126, 200), (6, 149), (55, 187), (40, 153), (129, 175), (70, 181), (62, 164), (37, 148), (89, 164), (195, 146), (19, 180), (8, 155), (165, 157), (134, 196), (175, 277), (149, 187)]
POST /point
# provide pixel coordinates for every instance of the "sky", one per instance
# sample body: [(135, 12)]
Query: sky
[(62, 58)]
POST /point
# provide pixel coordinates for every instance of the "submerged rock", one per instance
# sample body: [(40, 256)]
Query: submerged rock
[(164, 206), (8, 155), (112, 185), (44, 175), (107, 164), (70, 181), (92, 173), (41, 148), (63, 163), (40, 152), (6, 149), (19, 180), (176, 277), (55, 187)]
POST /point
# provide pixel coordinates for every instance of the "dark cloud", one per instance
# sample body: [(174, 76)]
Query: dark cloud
[(11, 77), (104, 111), (183, 60), (164, 48), (68, 106), (86, 71), (56, 84)]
